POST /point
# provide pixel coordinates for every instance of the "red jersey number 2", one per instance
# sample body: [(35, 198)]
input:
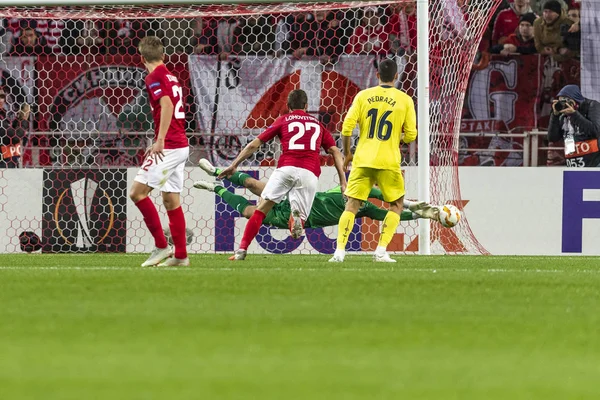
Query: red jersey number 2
[(147, 164), (178, 95), (300, 129)]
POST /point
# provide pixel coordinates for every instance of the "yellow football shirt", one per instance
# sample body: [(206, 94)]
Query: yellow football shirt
[(385, 115)]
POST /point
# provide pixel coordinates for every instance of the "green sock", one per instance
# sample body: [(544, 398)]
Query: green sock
[(238, 178), (237, 202)]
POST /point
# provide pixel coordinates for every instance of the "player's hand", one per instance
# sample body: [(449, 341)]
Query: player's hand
[(347, 161), (227, 172), (156, 151), (343, 186)]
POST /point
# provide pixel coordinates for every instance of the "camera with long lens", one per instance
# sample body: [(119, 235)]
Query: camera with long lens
[(561, 105)]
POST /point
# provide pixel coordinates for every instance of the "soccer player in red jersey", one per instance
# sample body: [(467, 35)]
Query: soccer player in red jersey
[(163, 167), (298, 168)]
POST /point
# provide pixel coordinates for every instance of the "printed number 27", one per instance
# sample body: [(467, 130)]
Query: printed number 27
[(383, 126), (300, 129)]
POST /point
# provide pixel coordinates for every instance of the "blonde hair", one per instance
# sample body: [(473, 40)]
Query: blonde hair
[(151, 48)]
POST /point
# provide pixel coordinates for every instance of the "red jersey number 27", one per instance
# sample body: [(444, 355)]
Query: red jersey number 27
[(178, 95), (300, 129)]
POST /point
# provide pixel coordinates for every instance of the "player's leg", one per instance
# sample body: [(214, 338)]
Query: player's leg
[(172, 185), (278, 186), (237, 202), (252, 228), (391, 183), (239, 178), (301, 198), (360, 182), (143, 184)]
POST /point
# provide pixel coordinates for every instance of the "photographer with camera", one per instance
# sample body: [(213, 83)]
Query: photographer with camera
[(576, 120)]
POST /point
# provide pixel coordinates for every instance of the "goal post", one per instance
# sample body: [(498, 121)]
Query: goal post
[(89, 122)]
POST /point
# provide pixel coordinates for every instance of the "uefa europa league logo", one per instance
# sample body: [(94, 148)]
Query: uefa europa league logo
[(83, 194)]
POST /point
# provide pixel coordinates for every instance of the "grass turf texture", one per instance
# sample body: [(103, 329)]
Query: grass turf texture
[(295, 327)]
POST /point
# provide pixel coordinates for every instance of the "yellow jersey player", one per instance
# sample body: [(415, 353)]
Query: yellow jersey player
[(385, 116)]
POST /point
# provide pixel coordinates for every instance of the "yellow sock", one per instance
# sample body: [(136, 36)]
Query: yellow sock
[(344, 228), (390, 223)]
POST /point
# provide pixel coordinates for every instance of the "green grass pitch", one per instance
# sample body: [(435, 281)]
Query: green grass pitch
[(296, 327)]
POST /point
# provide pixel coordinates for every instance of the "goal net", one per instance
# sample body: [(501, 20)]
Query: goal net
[(76, 120)]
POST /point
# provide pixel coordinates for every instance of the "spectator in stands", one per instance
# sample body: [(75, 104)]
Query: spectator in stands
[(508, 21), (12, 134), (174, 32), (538, 5), (571, 34), (322, 37), (402, 28), (576, 120), (547, 32), (205, 39), (91, 37), (291, 32), (29, 43), (254, 35), (521, 42), (123, 36), (226, 36), (52, 31), (370, 36)]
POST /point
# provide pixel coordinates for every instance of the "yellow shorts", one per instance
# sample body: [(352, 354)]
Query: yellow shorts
[(361, 180)]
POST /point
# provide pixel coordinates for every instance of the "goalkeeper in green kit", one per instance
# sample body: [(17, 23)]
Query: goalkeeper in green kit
[(326, 209)]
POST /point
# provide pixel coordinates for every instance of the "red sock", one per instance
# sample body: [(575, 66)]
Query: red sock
[(152, 221), (252, 229), (177, 225)]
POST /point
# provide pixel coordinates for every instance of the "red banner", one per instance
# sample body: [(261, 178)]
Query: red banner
[(90, 98), (509, 94)]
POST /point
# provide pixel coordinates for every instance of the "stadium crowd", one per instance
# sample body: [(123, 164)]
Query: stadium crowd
[(524, 27)]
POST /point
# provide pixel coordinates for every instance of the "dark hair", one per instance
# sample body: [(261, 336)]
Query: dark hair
[(387, 70), (151, 48), (297, 100)]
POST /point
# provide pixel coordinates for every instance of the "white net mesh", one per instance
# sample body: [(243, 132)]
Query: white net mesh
[(90, 123)]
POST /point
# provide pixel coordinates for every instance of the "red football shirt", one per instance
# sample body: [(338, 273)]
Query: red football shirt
[(302, 137), (161, 83), (506, 23)]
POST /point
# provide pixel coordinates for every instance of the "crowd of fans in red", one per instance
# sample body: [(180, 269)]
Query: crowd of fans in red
[(549, 27)]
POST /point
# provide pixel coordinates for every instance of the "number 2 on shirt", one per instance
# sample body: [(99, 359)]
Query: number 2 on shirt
[(178, 95), (301, 128)]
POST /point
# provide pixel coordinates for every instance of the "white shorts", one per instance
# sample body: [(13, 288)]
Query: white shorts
[(298, 184), (166, 175)]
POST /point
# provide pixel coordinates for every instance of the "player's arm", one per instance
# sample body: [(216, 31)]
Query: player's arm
[(328, 144), (348, 126), (410, 122), (251, 148), (166, 114), (338, 161), (244, 155), (378, 214)]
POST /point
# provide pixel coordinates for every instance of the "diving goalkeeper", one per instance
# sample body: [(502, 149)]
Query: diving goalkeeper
[(325, 211)]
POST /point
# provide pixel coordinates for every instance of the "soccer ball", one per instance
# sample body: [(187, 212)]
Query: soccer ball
[(449, 215), (188, 233)]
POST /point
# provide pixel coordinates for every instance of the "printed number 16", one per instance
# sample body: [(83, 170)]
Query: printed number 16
[(384, 127)]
